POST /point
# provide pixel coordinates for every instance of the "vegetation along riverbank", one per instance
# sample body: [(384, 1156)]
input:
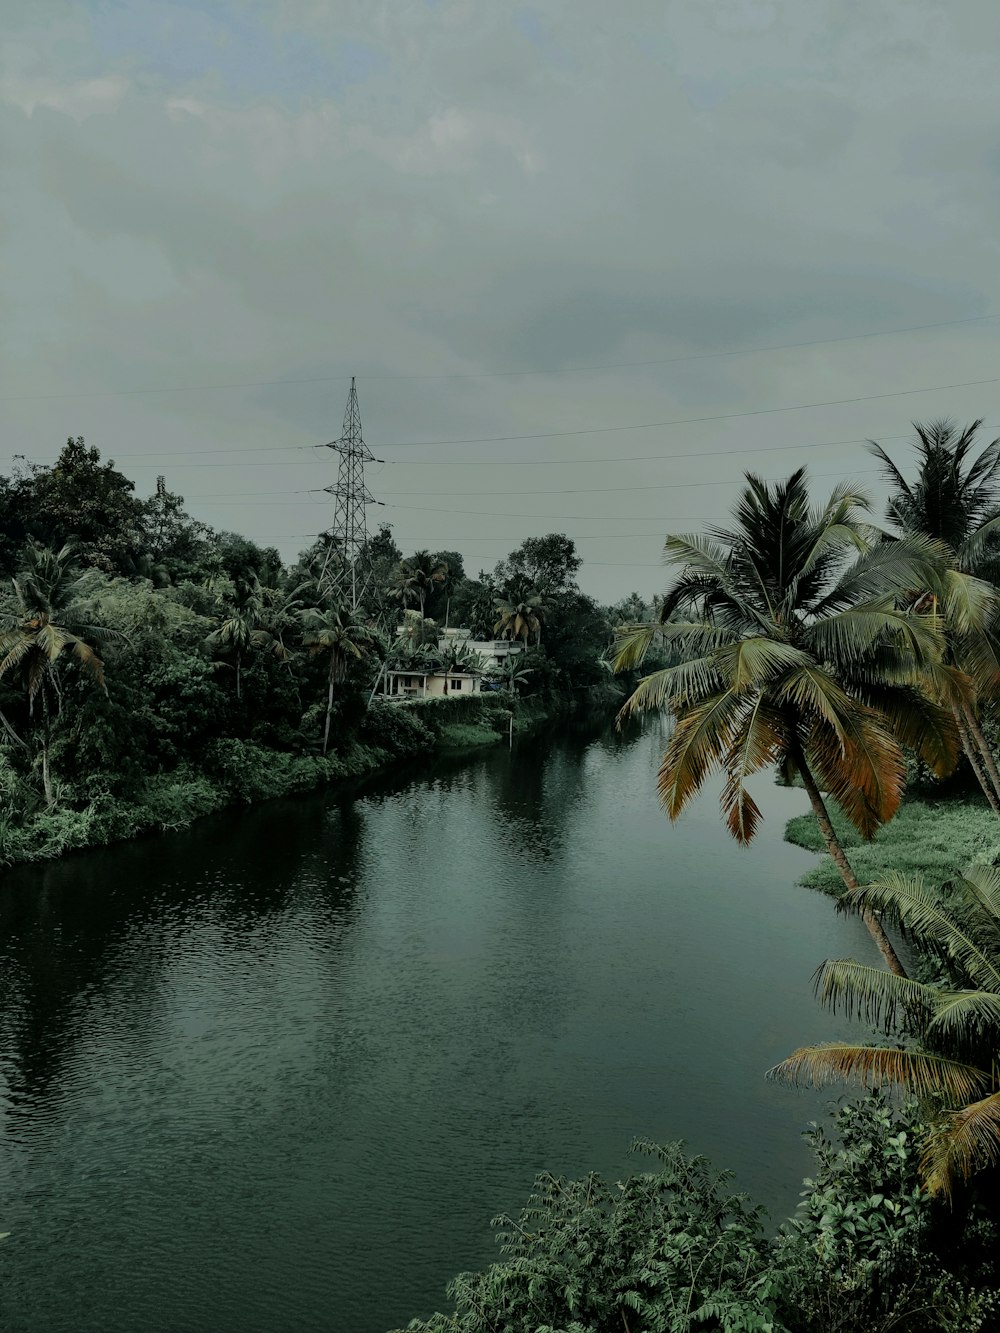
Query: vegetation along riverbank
[(153, 670), (861, 661)]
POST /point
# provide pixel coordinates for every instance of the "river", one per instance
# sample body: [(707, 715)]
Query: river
[(278, 1072)]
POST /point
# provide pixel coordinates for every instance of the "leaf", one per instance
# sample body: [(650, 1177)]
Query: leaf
[(919, 1072)]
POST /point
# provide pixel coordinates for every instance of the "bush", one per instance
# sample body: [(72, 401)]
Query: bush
[(673, 1251), (396, 729), (669, 1250)]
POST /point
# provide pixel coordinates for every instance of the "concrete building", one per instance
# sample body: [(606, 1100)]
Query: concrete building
[(414, 684)]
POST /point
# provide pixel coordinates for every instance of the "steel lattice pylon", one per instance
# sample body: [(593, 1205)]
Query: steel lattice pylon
[(349, 532)]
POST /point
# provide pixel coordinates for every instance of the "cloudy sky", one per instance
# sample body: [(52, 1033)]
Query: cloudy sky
[(588, 261)]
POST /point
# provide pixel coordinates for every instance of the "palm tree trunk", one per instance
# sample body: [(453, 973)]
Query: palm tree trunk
[(46, 775), (975, 763), (983, 745), (239, 694), (847, 874), (329, 706)]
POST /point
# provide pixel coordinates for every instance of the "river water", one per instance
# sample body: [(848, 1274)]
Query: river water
[(277, 1073)]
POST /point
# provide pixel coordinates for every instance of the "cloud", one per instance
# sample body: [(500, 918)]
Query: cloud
[(255, 192), (78, 100)]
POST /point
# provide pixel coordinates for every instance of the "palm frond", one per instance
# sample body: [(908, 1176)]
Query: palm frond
[(888, 569), (755, 661), (918, 1072), (964, 1142), (701, 737), (963, 1016), (688, 680), (969, 603), (814, 692), (879, 997), (759, 742), (906, 901)]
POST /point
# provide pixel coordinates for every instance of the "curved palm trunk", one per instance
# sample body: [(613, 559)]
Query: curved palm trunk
[(239, 666), (973, 755), (982, 744), (847, 874), (329, 700)]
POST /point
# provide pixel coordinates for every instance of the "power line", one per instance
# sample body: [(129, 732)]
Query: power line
[(686, 421), (627, 458), (680, 486), (510, 374)]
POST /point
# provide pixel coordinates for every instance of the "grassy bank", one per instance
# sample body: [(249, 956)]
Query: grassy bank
[(236, 772), (929, 837)]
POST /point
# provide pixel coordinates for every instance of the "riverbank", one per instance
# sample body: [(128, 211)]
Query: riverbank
[(931, 837), (238, 772)]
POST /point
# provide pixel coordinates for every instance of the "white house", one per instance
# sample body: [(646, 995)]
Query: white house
[(410, 683), (494, 652)]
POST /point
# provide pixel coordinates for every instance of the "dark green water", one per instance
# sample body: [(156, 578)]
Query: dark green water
[(277, 1073)]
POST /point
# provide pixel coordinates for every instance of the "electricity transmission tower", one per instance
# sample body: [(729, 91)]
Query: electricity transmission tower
[(348, 536)]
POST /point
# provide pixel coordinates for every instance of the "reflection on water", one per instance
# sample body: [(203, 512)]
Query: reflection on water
[(278, 1072)]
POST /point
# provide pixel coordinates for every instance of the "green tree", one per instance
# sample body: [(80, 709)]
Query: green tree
[(82, 501), (475, 605), (241, 627), (955, 499), (413, 580), (548, 563), (950, 1060), (46, 626), (797, 657), (332, 631)]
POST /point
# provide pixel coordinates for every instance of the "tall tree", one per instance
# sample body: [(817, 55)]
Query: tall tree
[(414, 578), (955, 499), (332, 630), (86, 502), (241, 626), (548, 563), (795, 655), (48, 624)]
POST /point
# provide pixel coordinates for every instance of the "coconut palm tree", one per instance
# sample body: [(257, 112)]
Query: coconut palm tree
[(239, 630), (794, 654), (48, 624), (414, 578), (950, 1048), (520, 617), (333, 630), (955, 498)]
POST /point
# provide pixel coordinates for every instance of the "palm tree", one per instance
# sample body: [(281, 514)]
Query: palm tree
[(48, 624), (414, 579), (239, 631), (332, 629), (794, 654), (520, 618), (953, 1028), (955, 499), (512, 675)]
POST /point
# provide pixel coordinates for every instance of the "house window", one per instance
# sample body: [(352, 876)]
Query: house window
[(454, 684)]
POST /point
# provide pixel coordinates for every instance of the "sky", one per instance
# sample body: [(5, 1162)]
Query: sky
[(588, 262)]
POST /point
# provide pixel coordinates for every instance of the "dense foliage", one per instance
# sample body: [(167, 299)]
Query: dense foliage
[(673, 1249), (153, 669)]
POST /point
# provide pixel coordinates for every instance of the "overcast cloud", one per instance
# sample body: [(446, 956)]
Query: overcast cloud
[(433, 195)]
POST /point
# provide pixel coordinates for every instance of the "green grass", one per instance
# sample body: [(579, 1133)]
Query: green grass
[(930, 837), (459, 735)]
